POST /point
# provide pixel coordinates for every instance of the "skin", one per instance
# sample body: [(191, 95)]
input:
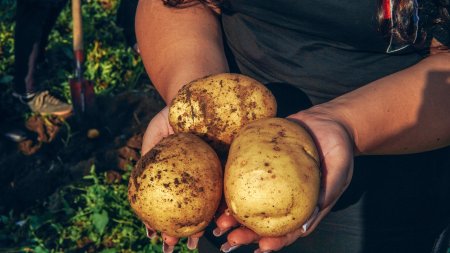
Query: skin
[(405, 112)]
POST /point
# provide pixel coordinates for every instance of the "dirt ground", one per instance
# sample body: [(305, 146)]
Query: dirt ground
[(60, 150)]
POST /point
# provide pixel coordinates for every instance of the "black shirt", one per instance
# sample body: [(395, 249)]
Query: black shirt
[(326, 48)]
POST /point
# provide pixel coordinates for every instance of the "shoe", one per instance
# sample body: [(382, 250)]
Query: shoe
[(44, 103)]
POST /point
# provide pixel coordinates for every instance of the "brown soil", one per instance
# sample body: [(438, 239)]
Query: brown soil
[(59, 150)]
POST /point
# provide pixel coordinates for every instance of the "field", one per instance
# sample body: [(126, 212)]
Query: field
[(63, 188)]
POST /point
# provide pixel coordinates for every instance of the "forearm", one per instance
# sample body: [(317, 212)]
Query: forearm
[(178, 45), (405, 112)]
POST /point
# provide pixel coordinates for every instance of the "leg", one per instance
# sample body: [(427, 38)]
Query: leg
[(55, 7), (34, 20)]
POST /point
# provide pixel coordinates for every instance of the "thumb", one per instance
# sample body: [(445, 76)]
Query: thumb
[(157, 129)]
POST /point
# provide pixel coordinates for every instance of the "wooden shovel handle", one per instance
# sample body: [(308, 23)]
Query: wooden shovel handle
[(77, 26)]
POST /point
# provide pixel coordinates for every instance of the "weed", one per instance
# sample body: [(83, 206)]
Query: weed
[(91, 216), (110, 64)]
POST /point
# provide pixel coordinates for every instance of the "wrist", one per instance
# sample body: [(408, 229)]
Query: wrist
[(332, 113)]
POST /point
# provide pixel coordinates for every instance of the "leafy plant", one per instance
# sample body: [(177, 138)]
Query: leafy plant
[(91, 216), (6, 42), (110, 64)]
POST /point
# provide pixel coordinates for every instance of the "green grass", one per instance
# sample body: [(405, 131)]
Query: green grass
[(90, 216), (110, 63)]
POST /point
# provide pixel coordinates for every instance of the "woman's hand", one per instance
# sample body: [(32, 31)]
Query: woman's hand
[(157, 129), (335, 146)]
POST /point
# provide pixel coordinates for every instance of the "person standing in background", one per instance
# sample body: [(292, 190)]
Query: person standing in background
[(34, 22)]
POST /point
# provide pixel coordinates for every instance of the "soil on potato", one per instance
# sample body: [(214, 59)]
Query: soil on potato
[(58, 150)]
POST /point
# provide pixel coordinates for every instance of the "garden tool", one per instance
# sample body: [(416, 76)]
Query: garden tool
[(82, 90)]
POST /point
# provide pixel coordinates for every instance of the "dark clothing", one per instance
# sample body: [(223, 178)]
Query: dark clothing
[(322, 41), (327, 48), (34, 21)]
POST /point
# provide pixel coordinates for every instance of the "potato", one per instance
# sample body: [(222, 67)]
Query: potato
[(217, 106), (176, 187), (272, 176)]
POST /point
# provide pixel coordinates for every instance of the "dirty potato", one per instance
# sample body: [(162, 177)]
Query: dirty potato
[(217, 106), (272, 177), (176, 187)]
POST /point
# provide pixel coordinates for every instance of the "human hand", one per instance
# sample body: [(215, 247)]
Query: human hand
[(335, 146), (157, 129)]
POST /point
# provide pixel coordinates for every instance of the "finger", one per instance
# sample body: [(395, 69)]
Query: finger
[(242, 236), (224, 223), (227, 247), (337, 172), (168, 248), (327, 205), (321, 214), (267, 244), (157, 129), (169, 240), (150, 232), (193, 240), (310, 220), (336, 180)]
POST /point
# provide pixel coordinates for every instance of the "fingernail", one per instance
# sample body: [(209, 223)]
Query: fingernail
[(192, 242), (310, 220), (150, 233), (167, 248), (217, 232), (226, 247)]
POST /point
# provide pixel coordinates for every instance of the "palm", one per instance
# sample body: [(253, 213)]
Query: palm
[(157, 129), (336, 152)]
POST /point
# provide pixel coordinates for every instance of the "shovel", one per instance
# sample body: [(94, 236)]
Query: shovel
[(82, 91)]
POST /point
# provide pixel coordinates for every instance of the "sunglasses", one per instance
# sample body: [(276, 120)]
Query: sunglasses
[(395, 42)]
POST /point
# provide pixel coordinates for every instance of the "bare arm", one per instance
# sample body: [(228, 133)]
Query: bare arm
[(178, 45), (406, 112)]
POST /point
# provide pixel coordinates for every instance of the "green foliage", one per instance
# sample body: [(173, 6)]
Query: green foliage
[(110, 63), (6, 42), (92, 216)]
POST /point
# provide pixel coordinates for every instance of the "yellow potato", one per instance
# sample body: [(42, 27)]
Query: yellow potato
[(272, 176), (217, 106), (176, 187)]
